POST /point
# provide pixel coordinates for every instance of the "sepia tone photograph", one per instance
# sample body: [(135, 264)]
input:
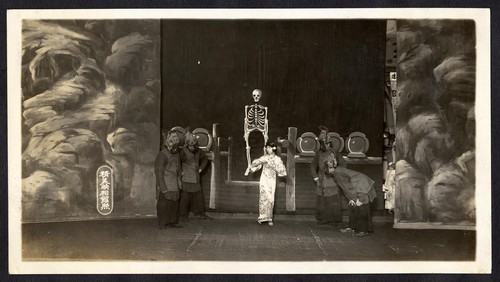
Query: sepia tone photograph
[(278, 141)]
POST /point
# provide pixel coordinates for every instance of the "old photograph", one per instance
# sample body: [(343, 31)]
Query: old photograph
[(255, 141)]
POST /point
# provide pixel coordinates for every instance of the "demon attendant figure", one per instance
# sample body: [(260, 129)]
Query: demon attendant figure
[(193, 162), (168, 181), (255, 119), (323, 165)]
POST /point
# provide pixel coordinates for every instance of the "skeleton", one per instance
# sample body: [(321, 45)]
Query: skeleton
[(255, 119)]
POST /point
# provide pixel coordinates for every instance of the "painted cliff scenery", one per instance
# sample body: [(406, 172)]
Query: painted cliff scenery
[(90, 97), (435, 137)]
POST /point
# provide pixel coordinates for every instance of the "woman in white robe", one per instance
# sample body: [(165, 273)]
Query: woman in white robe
[(271, 165)]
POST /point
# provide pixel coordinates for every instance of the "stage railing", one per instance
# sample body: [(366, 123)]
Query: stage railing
[(290, 143)]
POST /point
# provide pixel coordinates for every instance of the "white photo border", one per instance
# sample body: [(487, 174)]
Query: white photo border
[(483, 262)]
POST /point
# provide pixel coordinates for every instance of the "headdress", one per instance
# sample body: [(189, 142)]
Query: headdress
[(323, 136), (172, 140), (272, 145), (191, 139)]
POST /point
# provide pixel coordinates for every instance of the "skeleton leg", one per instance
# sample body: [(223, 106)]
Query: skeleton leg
[(264, 133), (249, 161), (266, 130)]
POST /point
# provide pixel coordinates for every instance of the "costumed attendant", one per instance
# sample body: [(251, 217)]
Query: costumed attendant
[(389, 188), (360, 192), (328, 205), (193, 162), (271, 165), (167, 171)]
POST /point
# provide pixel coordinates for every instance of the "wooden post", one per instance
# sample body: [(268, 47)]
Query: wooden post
[(214, 177), (229, 158), (290, 168)]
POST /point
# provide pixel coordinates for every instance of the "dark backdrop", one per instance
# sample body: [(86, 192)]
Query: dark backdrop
[(311, 72)]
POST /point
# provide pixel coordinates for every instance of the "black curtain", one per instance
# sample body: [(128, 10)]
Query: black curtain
[(311, 72)]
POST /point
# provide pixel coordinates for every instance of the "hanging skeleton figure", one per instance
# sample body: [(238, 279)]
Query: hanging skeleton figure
[(255, 119)]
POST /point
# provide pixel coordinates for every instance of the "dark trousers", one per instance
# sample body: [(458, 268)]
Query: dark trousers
[(360, 218), (328, 208), (192, 201), (167, 211)]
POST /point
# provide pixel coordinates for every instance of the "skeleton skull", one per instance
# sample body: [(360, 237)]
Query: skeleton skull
[(256, 94)]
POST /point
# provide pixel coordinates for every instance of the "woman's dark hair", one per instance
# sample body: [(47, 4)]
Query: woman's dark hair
[(272, 145)]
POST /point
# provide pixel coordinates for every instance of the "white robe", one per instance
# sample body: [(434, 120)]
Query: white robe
[(389, 188), (271, 165)]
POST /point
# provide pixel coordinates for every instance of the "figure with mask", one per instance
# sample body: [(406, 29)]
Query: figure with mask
[(168, 182), (193, 162), (323, 165)]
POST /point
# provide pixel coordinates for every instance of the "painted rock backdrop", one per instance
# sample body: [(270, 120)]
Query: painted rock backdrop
[(435, 138), (90, 97)]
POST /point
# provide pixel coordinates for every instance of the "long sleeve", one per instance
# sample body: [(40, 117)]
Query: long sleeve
[(355, 184), (160, 163), (203, 160), (314, 166), (260, 161), (343, 180), (257, 163), (280, 167), (179, 174), (182, 156)]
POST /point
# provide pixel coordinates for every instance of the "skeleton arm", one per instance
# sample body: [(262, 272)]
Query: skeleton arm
[(266, 129), (245, 126), (246, 134)]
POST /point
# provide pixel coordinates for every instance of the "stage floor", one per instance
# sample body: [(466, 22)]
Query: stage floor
[(237, 237)]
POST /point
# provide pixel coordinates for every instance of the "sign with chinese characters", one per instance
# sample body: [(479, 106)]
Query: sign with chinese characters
[(104, 188), (394, 82)]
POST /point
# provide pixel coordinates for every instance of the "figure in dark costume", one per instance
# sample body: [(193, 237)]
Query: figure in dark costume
[(168, 172), (328, 205), (193, 162), (360, 192)]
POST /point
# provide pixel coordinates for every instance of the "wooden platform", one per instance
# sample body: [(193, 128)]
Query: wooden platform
[(435, 225), (238, 238)]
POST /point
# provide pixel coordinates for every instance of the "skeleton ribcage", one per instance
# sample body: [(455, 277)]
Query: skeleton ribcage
[(257, 118)]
